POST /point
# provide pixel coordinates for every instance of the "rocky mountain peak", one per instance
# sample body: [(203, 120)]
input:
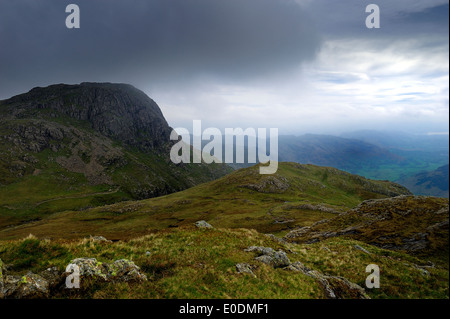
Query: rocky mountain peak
[(119, 111)]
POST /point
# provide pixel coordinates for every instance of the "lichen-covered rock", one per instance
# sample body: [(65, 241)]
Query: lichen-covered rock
[(298, 266), (269, 256), (266, 259), (125, 270), (53, 276), (244, 268), (29, 286), (261, 250), (90, 267), (121, 270), (203, 224)]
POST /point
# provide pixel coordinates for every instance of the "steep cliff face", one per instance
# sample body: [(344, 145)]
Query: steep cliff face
[(118, 111), (95, 143)]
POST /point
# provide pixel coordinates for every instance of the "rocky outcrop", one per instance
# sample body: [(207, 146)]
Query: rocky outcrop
[(417, 224), (121, 270), (29, 286), (119, 111), (269, 184), (334, 287), (51, 280), (268, 256)]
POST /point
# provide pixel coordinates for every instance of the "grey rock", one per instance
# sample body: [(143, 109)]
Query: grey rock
[(265, 259), (99, 239), (125, 270), (269, 184), (202, 224), (122, 270), (298, 267), (260, 250), (333, 287), (29, 286), (269, 256), (90, 267), (53, 276), (244, 268), (280, 259)]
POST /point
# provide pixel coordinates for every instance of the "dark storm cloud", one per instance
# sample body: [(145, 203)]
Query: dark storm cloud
[(142, 41)]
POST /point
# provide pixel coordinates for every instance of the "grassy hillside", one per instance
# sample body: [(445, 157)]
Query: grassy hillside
[(297, 195), (180, 260), (188, 262)]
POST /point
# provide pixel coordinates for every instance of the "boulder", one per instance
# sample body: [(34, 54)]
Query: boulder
[(30, 286), (202, 224), (121, 270), (99, 239), (53, 276), (269, 256), (242, 268), (260, 250), (125, 270), (90, 267)]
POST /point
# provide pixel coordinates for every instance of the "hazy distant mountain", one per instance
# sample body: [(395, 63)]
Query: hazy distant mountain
[(434, 183), (372, 154), (327, 150), (402, 140)]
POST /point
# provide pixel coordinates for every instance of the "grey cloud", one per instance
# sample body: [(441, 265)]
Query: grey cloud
[(399, 18), (156, 41)]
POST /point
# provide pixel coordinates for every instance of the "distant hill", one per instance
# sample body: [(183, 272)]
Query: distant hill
[(327, 150), (77, 146), (402, 140), (434, 183)]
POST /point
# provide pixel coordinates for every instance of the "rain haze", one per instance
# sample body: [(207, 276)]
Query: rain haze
[(300, 66)]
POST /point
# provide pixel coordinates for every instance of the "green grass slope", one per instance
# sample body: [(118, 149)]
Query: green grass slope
[(297, 195), (188, 262)]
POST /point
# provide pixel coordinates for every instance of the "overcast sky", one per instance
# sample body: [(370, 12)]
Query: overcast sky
[(298, 65)]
